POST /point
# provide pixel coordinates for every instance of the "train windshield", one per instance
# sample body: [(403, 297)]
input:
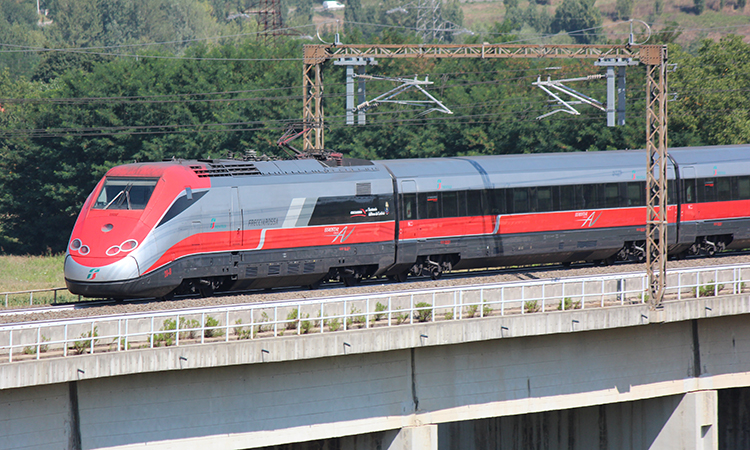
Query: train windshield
[(125, 193)]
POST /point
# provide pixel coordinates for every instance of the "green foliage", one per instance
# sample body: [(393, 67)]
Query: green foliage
[(708, 290), (567, 303), (334, 324), (292, 319), (210, 323), (85, 342), (355, 318), (448, 315), (243, 332), (379, 308), (423, 312), (580, 18), (471, 310), (531, 306), (31, 349), (486, 311), (624, 9), (401, 317), (306, 325), (709, 110), (699, 6)]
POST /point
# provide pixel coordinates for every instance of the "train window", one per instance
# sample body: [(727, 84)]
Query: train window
[(497, 202), (125, 193), (723, 189), (706, 190), (743, 188), (351, 209), (567, 198), (671, 193), (636, 194), (474, 203), (409, 206), (450, 204), (520, 200), (688, 190), (532, 199), (611, 195), (589, 197), (428, 205), (544, 199)]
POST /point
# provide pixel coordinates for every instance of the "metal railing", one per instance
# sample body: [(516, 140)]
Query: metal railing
[(327, 315), (30, 293)]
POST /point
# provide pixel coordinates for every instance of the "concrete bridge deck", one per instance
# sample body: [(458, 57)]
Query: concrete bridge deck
[(613, 377)]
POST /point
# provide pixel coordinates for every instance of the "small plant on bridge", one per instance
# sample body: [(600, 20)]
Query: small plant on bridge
[(486, 311), (401, 317), (448, 315), (471, 310), (31, 350), (531, 306), (568, 303), (292, 319), (306, 325), (708, 290), (355, 318), (243, 332), (379, 308), (168, 337), (423, 312), (85, 342), (210, 327), (264, 318), (334, 324)]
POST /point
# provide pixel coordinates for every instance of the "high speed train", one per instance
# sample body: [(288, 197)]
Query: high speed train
[(152, 229)]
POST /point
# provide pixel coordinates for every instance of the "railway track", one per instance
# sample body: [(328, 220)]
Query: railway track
[(464, 278)]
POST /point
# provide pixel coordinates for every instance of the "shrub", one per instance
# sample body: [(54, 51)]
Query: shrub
[(401, 317), (531, 306), (354, 318), (334, 324), (292, 316), (471, 310), (210, 331), (449, 315), (31, 350), (242, 332), (85, 343), (306, 325), (567, 303), (379, 308), (486, 311), (709, 289), (423, 312)]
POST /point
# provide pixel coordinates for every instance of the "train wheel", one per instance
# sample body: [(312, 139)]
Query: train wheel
[(436, 273), (206, 290)]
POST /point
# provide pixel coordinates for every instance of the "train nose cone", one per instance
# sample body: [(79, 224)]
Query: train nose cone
[(124, 269)]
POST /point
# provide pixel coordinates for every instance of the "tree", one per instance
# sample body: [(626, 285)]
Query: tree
[(700, 6), (579, 18), (624, 9), (711, 108)]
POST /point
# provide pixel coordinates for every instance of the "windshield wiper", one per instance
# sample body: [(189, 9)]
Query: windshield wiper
[(125, 191)]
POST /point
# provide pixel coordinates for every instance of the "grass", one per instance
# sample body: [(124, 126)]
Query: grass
[(24, 273)]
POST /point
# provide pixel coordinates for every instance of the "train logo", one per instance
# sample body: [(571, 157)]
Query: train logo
[(92, 274)]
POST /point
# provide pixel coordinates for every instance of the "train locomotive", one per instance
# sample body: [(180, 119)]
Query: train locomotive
[(153, 229)]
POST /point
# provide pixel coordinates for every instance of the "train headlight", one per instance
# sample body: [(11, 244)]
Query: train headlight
[(129, 245), (84, 250), (75, 245), (112, 251)]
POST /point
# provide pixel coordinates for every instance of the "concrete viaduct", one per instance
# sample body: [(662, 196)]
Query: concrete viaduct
[(624, 377)]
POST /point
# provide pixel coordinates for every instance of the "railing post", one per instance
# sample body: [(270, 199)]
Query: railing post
[(502, 301), (544, 296), (203, 327), (10, 347), (125, 343), (152, 332), (344, 319), (226, 322), (38, 339), (177, 331), (93, 327), (390, 309), (65, 340), (367, 315), (481, 302), (411, 309)]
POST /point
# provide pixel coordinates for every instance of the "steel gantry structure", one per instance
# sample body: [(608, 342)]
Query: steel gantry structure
[(653, 56)]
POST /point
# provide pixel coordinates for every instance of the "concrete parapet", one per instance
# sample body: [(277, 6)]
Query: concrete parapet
[(266, 350)]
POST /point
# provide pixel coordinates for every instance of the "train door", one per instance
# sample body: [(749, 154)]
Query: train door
[(408, 228), (235, 219), (689, 210)]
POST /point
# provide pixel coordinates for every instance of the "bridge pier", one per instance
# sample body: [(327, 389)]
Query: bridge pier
[(424, 437)]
